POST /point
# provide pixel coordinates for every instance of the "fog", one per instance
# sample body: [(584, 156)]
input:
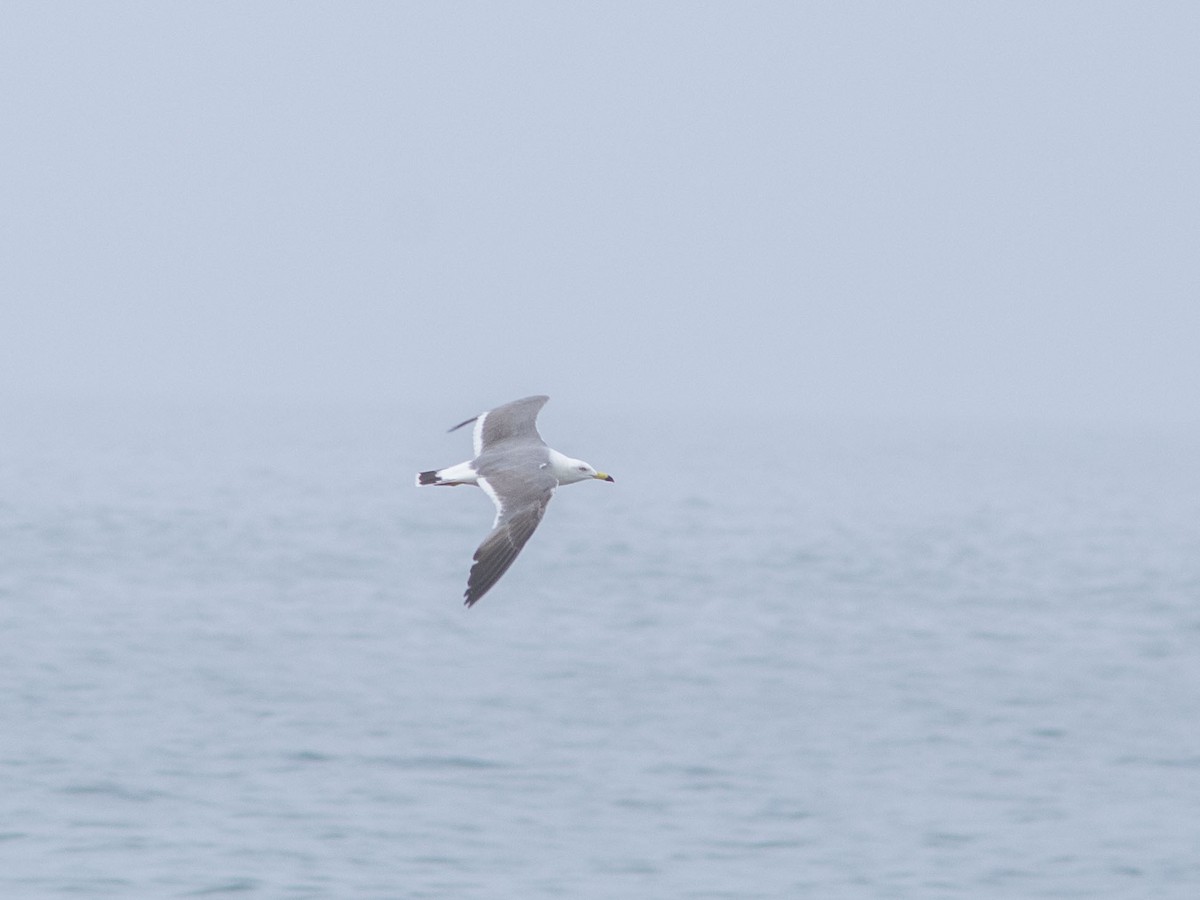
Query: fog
[(869, 209)]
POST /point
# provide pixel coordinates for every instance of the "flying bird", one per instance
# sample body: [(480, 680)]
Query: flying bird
[(519, 472)]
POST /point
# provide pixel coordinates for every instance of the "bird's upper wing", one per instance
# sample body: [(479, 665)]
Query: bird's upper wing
[(512, 420)]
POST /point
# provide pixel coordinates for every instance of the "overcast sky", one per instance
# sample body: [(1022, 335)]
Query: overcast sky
[(865, 209)]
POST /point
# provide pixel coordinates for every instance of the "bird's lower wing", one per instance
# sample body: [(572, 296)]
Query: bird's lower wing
[(501, 547)]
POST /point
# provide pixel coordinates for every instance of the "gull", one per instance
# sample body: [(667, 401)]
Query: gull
[(519, 472)]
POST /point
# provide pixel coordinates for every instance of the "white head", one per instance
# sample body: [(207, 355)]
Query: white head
[(568, 470)]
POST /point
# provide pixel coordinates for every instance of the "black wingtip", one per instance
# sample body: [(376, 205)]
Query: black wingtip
[(427, 477), (461, 424)]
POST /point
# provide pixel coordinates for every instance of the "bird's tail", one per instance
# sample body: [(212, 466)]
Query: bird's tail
[(460, 474), (463, 473)]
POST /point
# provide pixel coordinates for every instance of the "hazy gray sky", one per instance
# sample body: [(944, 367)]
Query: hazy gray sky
[(859, 208)]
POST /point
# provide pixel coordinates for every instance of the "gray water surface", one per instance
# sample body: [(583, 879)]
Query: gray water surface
[(769, 662)]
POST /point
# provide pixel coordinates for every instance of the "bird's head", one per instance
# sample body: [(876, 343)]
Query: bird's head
[(572, 470)]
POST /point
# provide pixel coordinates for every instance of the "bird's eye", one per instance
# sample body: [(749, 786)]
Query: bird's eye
[(583, 468)]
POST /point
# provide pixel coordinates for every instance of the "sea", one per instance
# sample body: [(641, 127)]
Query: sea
[(778, 657)]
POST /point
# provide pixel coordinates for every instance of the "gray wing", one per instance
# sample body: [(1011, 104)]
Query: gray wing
[(516, 420), (516, 521)]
